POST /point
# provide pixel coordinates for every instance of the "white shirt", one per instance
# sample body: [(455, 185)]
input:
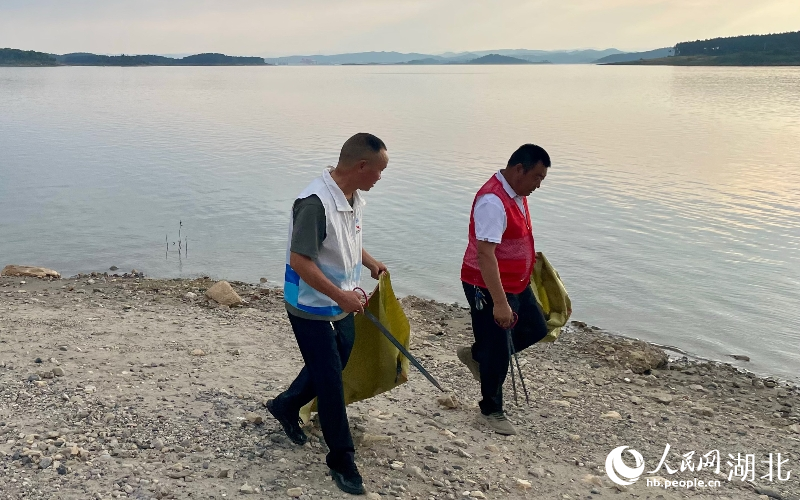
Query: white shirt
[(490, 214)]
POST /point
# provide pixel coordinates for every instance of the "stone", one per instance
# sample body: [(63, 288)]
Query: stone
[(642, 357), (58, 371), (246, 489), (294, 492), (702, 410), (794, 428), (561, 403), (611, 415), (157, 444), (740, 357), (416, 472), (190, 295), (45, 462), (464, 454), (198, 352), (493, 448), (373, 496), (33, 272), (523, 484), (254, 418), (223, 473), (397, 465), (570, 394), (113, 268), (448, 401), (370, 439), (477, 494), (179, 474), (460, 443), (89, 389), (662, 398), (222, 293), (769, 492), (538, 472), (592, 480)]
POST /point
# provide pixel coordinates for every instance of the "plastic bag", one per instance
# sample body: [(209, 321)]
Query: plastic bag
[(551, 296), (375, 365)]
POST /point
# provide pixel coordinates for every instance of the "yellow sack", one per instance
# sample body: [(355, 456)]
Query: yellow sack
[(375, 364), (551, 296)]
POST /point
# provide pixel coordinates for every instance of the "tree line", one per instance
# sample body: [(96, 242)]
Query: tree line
[(776, 44)]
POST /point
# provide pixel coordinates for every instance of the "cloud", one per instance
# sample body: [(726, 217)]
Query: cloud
[(250, 27)]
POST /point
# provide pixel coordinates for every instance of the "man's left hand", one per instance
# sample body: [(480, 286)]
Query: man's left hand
[(377, 269)]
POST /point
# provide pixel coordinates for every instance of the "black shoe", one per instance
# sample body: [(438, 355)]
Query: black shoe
[(349, 480), (291, 426)]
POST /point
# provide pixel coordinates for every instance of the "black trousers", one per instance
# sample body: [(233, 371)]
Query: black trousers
[(491, 345), (325, 347)]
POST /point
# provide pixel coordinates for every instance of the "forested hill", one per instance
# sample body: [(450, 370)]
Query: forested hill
[(778, 44), (16, 57), (84, 59), (782, 49)]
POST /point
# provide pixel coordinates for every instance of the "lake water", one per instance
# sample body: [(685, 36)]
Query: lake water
[(672, 209)]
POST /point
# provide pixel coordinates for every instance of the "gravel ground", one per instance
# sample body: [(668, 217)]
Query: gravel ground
[(115, 387)]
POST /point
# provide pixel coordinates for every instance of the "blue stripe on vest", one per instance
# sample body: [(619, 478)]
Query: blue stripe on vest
[(291, 293), (291, 276)]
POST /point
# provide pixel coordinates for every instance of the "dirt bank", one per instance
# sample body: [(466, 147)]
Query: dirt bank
[(124, 387)]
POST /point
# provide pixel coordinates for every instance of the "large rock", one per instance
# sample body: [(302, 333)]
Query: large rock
[(33, 272), (641, 357), (222, 293)]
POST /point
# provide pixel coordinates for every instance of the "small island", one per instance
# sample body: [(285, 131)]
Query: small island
[(16, 57)]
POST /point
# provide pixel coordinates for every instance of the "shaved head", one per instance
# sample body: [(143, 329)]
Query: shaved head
[(362, 146)]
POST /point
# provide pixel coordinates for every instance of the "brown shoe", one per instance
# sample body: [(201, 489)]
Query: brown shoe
[(465, 356), (499, 423)]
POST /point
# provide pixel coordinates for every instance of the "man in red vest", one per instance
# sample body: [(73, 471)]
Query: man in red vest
[(496, 275)]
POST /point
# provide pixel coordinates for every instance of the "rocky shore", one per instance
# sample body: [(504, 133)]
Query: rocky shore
[(126, 387)]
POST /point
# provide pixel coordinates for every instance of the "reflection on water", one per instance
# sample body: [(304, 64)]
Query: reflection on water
[(671, 209)]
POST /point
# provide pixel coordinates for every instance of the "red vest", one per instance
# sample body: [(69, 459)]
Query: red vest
[(515, 254)]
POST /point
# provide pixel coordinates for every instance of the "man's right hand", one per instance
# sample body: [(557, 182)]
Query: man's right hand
[(503, 315), (350, 301)]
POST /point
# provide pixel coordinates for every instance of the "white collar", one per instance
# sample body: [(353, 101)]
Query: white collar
[(342, 205), (509, 190)]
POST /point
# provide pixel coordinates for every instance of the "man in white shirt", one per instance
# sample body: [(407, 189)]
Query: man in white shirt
[(496, 274), (324, 257)]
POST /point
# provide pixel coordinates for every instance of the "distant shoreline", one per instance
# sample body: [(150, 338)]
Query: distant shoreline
[(741, 60), (30, 58)]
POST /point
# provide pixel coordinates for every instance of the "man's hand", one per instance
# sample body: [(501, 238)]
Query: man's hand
[(350, 301), (377, 269), (503, 315), (375, 266)]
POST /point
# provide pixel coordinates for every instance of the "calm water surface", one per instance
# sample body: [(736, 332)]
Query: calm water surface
[(671, 210)]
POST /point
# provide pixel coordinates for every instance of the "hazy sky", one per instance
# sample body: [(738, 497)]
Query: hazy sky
[(270, 28)]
